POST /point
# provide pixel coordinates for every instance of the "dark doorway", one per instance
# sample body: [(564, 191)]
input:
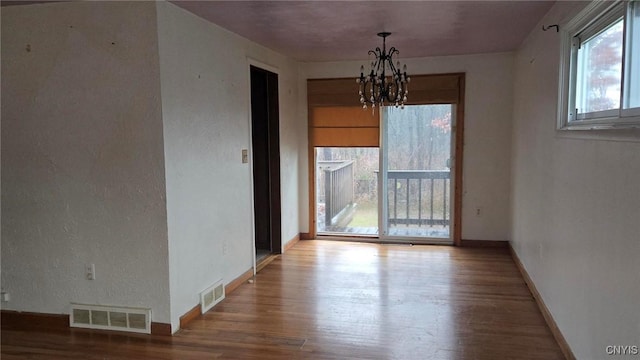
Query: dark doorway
[(266, 161)]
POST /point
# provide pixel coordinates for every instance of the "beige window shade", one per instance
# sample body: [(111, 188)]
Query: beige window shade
[(343, 126), (434, 89), (336, 117)]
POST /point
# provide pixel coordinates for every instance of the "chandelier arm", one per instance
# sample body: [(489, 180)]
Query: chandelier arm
[(392, 52), (379, 69), (377, 52), (376, 64), (393, 68)]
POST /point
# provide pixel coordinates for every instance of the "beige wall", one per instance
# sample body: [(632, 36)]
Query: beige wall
[(205, 104), (82, 160), (576, 206), (113, 99)]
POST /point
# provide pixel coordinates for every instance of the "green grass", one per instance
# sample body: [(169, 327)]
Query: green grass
[(366, 215)]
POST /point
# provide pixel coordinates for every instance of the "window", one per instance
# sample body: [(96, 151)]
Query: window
[(600, 68)]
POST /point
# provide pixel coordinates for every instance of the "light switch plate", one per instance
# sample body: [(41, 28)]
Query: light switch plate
[(245, 156)]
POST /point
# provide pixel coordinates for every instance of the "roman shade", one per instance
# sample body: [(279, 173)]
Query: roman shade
[(337, 119)]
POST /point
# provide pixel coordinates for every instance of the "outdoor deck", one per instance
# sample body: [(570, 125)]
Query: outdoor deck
[(418, 203), (435, 232)]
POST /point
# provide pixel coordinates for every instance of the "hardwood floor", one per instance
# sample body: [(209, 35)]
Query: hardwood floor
[(338, 300)]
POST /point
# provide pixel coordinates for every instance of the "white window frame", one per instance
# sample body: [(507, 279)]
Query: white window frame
[(590, 21)]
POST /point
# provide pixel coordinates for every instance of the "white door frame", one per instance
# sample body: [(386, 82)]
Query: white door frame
[(273, 69)]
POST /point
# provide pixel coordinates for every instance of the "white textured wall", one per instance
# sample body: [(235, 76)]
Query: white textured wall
[(487, 139), (82, 157), (206, 102), (576, 207)]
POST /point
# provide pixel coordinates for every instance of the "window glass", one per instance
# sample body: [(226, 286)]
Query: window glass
[(633, 58), (600, 70)]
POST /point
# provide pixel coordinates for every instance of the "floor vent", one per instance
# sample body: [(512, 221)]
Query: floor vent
[(110, 318), (211, 296)]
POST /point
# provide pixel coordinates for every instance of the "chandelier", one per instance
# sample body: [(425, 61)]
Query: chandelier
[(379, 88)]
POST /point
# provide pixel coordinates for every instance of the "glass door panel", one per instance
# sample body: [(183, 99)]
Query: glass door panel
[(417, 172), (347, 191)]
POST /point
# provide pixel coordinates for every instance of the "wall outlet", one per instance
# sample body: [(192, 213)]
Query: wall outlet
[(90, 271), (4, 297), (224, 246), (479, 211)]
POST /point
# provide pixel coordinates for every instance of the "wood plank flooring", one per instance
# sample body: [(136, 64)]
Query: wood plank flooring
[(340, 300)]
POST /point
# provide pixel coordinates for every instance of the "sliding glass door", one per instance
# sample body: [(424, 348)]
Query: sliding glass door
[(398, 192), (416, 173)]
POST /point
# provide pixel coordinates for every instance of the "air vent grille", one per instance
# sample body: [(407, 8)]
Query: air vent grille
[(118, 319), (111, 318), (81, 316), (218, 292), (211, 296)]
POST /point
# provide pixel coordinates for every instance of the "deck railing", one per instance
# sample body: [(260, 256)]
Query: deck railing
[(338, 187), (418, 197)]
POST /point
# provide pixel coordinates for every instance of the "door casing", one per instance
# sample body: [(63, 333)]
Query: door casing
[(457, 129), (265, 159)]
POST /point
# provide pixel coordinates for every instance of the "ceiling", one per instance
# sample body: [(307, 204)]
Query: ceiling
[(346, 30), (319, 30)]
